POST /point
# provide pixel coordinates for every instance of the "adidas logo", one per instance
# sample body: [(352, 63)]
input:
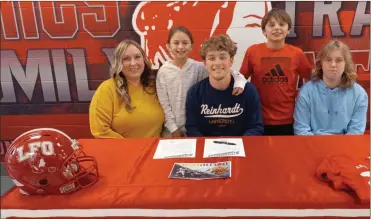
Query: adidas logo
[(275, 76)]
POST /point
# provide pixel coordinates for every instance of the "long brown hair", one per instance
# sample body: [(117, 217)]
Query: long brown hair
[(349, 75), (147, 79)]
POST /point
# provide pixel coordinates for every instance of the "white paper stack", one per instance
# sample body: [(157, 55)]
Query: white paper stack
[(224, 147), (176, 148)]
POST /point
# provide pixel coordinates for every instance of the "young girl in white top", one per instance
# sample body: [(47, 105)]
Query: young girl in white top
[(175, 78)]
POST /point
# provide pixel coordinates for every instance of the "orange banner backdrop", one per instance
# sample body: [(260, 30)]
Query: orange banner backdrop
[(55, 54)]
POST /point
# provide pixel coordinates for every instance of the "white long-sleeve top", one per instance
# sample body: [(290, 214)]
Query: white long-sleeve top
[(172, 85)]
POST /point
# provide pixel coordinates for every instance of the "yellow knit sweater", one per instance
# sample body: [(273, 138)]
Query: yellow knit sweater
[(109, 119)]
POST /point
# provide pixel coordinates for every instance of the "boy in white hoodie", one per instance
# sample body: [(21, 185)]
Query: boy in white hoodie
[(175, 78)]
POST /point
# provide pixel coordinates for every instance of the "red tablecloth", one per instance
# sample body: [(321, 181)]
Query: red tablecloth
[(277, 178)]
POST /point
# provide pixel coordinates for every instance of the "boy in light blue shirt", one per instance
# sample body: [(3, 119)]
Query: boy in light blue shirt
[(332, 102)]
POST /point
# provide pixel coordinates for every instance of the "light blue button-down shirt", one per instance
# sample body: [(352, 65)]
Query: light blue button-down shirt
[(320, 110)]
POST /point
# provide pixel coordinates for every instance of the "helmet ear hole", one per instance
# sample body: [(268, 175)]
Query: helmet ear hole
[(43, 182)]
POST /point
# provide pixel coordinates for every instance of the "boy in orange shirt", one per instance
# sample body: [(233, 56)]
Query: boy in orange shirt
[(275, 68)]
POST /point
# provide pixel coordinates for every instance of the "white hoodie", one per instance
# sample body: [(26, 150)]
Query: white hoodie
[(172, 85)]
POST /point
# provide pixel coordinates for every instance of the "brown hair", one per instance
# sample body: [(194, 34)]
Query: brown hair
[(146, 79), (219, 43), (279, 15), (349, 75), (179, 29)]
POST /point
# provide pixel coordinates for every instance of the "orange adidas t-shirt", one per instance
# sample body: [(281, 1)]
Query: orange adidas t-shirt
[(275, 73)]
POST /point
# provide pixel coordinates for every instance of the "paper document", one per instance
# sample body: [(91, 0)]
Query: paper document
[(224, 147), (175, 148), (199, 171)]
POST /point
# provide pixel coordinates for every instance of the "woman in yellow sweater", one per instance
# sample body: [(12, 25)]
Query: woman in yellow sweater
[(126, 105)]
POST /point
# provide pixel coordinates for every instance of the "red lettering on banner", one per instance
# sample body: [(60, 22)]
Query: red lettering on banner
[(361, 59), (58, 19), (311, 57), (8, 21), (104, 21), (4, 145), (28, 20), (2, 149)]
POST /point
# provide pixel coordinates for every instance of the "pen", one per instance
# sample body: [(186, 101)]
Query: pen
[(224, 142)]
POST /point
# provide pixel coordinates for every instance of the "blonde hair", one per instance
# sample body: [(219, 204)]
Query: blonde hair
[(349, 75), (146, 79)]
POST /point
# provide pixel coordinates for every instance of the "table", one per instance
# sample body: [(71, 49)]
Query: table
[(276, 179)]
